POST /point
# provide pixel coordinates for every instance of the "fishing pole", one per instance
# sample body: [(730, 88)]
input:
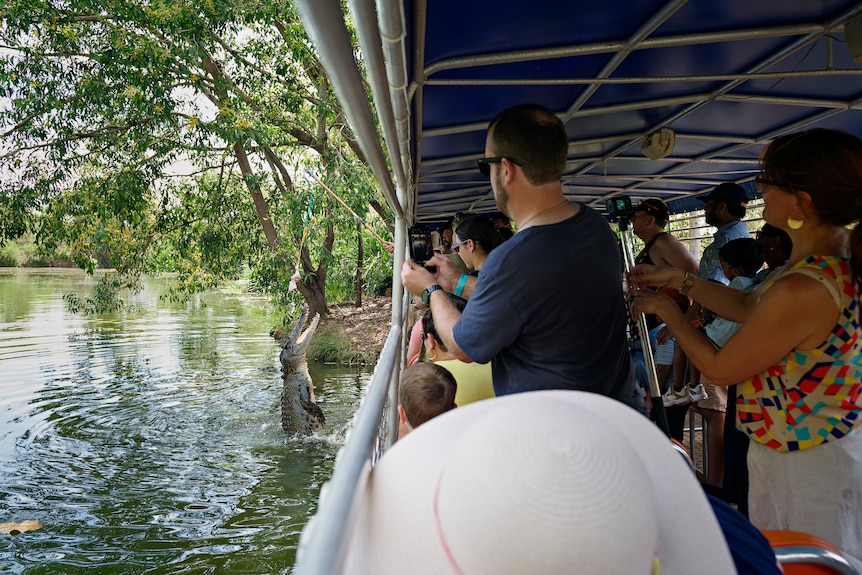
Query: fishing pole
[(355, 215)]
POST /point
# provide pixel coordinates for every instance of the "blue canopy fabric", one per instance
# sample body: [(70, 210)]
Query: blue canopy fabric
[(725, 77)]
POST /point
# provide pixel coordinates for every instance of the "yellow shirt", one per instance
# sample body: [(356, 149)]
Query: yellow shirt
[(474, 380)]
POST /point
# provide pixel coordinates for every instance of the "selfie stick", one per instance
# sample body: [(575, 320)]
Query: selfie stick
[(646, 347)]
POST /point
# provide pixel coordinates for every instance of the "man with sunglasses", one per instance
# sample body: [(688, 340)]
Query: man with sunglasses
[(548, 309)]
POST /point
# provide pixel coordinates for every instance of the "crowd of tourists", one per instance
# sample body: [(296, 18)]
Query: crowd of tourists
[(761, 336)]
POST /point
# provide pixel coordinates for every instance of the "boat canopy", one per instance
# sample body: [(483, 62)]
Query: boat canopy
[(660, 98)]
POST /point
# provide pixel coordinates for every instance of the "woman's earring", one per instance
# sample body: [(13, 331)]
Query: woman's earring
[(432, 354), (794, 224)]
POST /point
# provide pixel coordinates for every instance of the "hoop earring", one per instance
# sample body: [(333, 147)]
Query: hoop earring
[(794, 224), (432, 354)]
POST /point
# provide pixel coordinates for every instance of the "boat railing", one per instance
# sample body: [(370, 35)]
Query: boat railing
[(323, 542)]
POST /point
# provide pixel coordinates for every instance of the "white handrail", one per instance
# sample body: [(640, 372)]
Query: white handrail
[(322, 545)]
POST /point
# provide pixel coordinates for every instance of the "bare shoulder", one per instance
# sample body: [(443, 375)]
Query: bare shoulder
[(800, 292), (800, 306), (669, 251), (667, 240), (809, 283)]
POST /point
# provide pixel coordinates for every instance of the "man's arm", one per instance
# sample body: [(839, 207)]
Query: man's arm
[(417, 279), (449, 277)]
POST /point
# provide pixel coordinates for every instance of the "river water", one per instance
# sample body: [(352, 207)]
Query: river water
[(149, 441)]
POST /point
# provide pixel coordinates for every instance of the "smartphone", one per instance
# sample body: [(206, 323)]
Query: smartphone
[(421, 248)]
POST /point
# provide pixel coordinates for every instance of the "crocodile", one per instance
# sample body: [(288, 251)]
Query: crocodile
[(299, 410)]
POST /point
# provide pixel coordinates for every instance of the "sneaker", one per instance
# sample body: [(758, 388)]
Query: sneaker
[(697, 393), (674, 397)]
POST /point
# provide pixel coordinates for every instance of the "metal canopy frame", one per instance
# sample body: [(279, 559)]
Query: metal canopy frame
[(726, 77)]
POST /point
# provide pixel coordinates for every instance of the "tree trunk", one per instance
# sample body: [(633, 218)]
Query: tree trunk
[(315, 298), (259, 201), (314, 289), (357, 277), (215, 70)]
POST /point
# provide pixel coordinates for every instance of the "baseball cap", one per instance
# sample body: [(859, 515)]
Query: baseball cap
[(729, 193), (544, 482), (654, 207)]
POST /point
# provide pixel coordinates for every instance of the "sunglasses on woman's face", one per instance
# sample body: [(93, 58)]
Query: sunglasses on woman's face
[(457, 247)]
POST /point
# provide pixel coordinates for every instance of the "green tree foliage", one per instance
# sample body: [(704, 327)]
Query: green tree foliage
[(178, 135)]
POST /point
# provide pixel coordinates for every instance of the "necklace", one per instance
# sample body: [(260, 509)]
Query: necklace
[(537, 214)]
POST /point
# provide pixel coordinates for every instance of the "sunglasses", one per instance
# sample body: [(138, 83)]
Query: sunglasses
[(484, 164), (457, 247)]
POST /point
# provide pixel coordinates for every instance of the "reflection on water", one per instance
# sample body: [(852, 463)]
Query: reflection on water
[(148, 441)]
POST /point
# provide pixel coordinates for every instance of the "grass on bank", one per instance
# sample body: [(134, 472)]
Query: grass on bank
[(331, 345)]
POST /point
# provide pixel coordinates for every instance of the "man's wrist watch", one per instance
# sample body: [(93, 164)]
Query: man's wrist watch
[(426, 295)]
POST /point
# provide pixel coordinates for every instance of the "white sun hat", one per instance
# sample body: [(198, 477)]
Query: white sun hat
[(542, 482)]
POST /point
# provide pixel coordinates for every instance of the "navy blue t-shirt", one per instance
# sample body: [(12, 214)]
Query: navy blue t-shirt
[(549, 312)]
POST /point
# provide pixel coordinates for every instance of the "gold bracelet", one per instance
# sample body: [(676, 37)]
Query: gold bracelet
[(687, 283)]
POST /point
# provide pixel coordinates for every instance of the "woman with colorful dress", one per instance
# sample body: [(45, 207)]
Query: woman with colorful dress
[(796, 356)]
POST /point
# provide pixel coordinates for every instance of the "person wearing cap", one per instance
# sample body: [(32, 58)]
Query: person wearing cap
[(648, 223), (548, 309), (724, 209), (650, 218)]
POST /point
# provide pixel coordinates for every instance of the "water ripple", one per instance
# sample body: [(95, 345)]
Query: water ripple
[(149, 442)]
